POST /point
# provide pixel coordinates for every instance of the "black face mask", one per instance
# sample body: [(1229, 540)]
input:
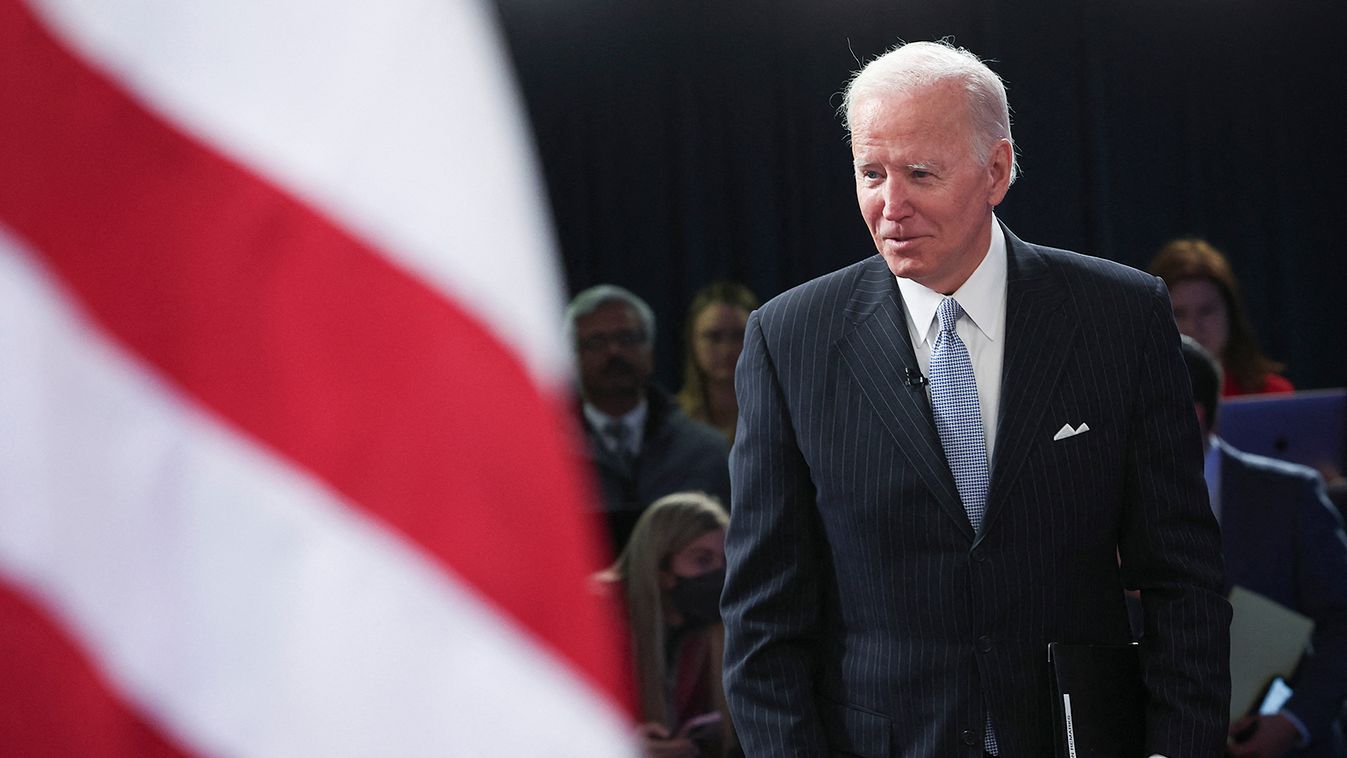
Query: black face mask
[(698, 597)]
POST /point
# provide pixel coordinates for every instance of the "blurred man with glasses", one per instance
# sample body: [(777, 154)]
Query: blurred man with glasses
[(640, 443)]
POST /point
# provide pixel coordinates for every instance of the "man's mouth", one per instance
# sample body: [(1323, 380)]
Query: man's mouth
[(898, 235)]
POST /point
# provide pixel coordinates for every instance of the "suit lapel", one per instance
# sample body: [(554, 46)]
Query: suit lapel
[(877, 350), (1038, 337)]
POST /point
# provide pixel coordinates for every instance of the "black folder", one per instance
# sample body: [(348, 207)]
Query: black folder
[(1100, 700)]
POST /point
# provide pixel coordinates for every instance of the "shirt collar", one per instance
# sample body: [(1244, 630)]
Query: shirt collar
[(982, 296), (634, 419)]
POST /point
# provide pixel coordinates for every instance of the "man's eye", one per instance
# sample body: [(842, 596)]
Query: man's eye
[(920, 173), (870, 174)]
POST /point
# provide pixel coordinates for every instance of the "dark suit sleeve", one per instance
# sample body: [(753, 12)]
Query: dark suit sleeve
[(771, 588), (1320, 682), (1171, 551)]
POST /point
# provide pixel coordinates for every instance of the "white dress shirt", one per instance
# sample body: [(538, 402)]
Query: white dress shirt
[(634, 420), (982, 328)]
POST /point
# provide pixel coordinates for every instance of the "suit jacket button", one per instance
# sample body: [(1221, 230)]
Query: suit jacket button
[(969, 738), (985, 644), (980, 556)]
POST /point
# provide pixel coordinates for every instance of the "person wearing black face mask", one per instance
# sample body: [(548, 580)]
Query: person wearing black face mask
[(670, 575), (697, 597)]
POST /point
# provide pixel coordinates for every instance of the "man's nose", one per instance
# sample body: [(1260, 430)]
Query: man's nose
[(895, 200)]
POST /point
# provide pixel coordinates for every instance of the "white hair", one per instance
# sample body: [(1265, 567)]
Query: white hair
[(917, 65), (589, 301)]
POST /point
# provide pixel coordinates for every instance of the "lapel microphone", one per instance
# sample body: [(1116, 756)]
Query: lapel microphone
[(913, 378)]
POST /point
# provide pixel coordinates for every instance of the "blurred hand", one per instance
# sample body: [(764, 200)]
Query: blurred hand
[(1274, 737), (658, 744), (1331, 474)]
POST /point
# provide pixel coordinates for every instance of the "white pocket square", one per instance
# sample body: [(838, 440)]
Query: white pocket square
[(1067, 431)]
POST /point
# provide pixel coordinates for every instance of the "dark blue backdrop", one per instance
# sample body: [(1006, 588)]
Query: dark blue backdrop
[(686, 140)]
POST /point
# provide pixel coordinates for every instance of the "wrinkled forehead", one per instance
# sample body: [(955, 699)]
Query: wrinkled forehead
[(925, 127)]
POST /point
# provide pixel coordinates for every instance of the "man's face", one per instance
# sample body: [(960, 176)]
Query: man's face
[(614, 352), (922, 191)]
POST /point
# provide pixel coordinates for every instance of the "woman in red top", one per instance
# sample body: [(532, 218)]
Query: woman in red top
[(1207, 307), (670, 575)]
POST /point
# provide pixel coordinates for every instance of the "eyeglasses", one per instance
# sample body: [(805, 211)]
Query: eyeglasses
[(625, 339)]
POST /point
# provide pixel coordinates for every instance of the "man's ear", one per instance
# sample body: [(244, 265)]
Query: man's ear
[(998, 171)]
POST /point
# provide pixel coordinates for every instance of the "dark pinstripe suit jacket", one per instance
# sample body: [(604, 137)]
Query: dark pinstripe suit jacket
[(864, 616)]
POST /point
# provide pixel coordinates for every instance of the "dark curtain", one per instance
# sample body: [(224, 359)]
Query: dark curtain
[(688, 140)]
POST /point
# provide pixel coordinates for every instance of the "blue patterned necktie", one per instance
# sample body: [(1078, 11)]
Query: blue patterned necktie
[(954, 402)]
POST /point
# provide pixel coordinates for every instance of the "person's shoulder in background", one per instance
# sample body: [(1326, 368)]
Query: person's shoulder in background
[(1272, 384)]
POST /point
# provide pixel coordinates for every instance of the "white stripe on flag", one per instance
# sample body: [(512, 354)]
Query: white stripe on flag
[(236, 600), (396, 118)]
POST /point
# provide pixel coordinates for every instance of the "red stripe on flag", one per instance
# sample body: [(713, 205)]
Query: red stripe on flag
[(304, 336), (54, 703)]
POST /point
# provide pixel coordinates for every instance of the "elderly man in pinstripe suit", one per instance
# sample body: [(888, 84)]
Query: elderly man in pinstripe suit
[(955, 452)]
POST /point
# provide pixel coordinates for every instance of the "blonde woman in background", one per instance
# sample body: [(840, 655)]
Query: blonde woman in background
[(669, 576), (713, 339)]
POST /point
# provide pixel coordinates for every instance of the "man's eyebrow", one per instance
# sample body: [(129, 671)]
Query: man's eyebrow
[(915, 166)]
